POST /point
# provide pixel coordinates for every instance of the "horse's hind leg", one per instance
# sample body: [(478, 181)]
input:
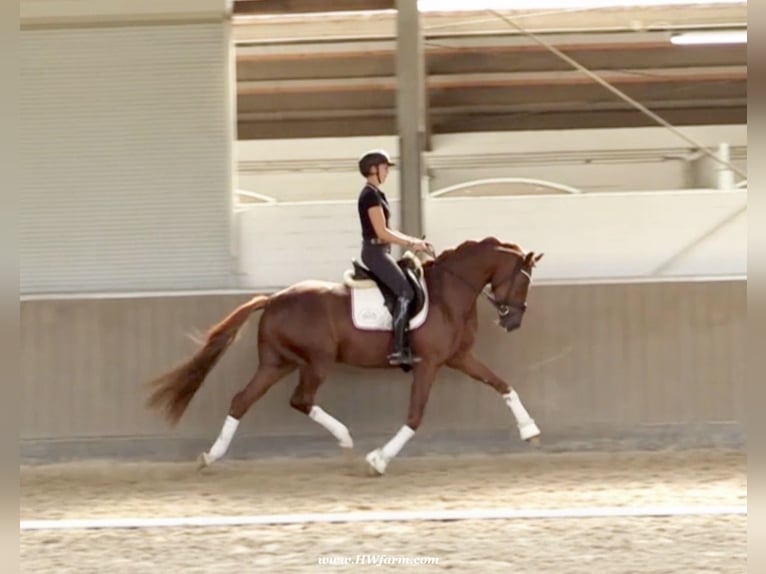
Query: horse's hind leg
[(265, 377), (474, 368), (303, 399)]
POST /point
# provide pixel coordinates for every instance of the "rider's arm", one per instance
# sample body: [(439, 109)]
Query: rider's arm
[(384, 233)]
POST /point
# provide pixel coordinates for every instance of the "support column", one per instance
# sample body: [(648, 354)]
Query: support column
[(411, 114), (708, 173)]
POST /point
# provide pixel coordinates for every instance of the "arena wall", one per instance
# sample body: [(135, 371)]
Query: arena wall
[(597, 365)]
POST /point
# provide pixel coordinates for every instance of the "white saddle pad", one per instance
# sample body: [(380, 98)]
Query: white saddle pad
[(369, 312)]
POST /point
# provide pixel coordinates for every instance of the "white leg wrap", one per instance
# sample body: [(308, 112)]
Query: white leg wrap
[(379, 458), (221, 445), (527, 427), (392, 447), (336, 428)]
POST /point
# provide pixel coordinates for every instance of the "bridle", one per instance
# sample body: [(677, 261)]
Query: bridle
[(505, 307), (502, 308)]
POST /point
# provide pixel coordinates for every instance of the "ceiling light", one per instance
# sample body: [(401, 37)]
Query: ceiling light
[(712, 37)]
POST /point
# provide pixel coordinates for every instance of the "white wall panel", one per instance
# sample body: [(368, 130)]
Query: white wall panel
[(600, 236), (281, 244), (607, 235), (612, 140), (650, 174), (315, 187), (126, 157)]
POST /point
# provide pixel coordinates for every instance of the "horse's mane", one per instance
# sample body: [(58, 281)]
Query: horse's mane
[(470, 245)]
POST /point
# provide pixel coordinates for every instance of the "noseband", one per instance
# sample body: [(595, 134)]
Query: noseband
[(504, 308)]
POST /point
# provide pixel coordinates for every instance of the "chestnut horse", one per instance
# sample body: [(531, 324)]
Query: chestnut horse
[(308, 327)]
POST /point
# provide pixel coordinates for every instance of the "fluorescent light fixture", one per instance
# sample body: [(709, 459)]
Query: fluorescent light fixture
[(475, 5), (712, 37)]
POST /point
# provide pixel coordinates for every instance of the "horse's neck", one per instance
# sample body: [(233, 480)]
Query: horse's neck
[(479, 267), (464, 280)]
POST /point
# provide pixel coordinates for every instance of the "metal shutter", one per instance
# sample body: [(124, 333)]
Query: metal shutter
[(126, 158)]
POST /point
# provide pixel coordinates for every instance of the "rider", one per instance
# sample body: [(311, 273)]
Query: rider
[(377, 238)]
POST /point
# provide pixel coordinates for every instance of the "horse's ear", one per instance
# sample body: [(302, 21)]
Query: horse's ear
[(531, 259)]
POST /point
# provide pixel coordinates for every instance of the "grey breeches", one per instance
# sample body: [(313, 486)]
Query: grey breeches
[(378, 259)]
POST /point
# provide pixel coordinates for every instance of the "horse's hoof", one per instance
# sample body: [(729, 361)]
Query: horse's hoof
[(376, 464), (203, 461), (534, 441), (346, 442)]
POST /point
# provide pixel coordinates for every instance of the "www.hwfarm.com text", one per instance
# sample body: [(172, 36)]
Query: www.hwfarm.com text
[(377, 560)]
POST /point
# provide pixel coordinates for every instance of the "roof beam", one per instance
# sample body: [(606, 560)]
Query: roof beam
[(487, 109), (490, 80), (324, 127), (367, 50), (266, 7)]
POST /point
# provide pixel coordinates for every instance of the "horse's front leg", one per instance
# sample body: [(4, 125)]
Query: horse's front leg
[(475, 369), (424, 375)]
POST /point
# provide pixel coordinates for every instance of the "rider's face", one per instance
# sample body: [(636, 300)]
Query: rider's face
[(382, 172)]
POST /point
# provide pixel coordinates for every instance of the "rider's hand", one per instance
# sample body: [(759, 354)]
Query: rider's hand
[(422, 245)]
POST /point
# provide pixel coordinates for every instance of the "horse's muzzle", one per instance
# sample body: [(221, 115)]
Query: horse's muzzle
[(510, 321)]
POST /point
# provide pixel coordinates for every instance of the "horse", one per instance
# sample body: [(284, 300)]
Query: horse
[(309, 326)]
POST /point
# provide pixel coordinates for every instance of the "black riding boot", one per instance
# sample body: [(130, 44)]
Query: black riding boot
[(402, 354)]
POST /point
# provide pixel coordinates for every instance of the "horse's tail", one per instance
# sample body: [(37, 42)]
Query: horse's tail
[(173, 390)]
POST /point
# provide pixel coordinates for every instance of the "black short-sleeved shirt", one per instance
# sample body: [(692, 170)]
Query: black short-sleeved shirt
[(370, 197)]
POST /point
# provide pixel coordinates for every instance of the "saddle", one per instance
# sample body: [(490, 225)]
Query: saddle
[(360, 277)]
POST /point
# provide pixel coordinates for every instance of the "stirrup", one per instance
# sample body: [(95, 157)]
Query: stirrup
[(403, 358)]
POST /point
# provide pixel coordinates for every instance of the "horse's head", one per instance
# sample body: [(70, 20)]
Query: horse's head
[(510, 284)]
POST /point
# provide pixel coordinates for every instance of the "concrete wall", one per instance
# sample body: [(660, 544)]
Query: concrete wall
[(655, 363)]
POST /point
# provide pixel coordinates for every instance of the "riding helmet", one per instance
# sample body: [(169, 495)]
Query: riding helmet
[(372, 158)]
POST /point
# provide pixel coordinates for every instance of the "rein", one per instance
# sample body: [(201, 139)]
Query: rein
[(502, 308)]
